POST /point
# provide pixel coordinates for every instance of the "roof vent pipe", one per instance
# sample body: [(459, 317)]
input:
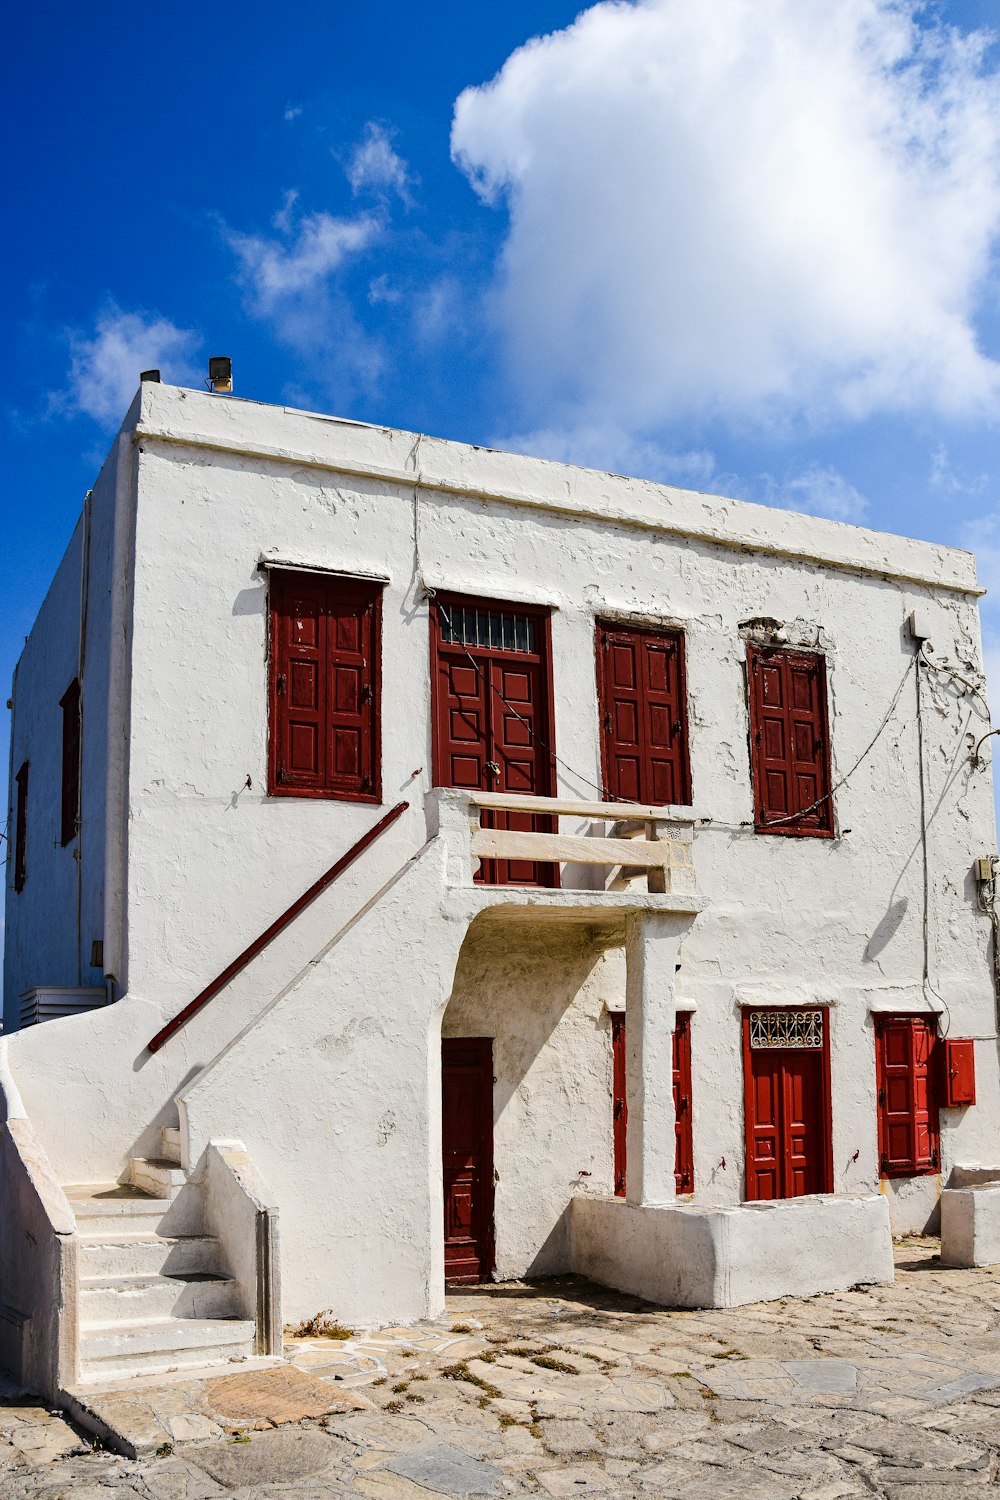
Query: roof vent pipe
[(151, 375)]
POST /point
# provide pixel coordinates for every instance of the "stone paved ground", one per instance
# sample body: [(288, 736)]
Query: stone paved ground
[(562, 1389)]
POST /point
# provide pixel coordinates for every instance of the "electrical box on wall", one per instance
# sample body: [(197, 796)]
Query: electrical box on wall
[(959, 1072)]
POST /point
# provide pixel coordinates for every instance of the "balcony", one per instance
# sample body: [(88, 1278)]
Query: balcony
[(620, 858)]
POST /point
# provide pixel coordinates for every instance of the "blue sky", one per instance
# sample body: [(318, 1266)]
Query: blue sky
[(747, 246)]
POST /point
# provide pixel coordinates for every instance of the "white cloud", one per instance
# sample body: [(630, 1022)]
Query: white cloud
[(819, 491), (105, 367), (950, 480), (374, 165), (304, 255), (292, 112), (754, 209)]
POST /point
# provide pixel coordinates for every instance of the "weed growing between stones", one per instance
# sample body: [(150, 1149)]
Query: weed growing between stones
[(462, 1372), (164, 1450), (322, 1326)]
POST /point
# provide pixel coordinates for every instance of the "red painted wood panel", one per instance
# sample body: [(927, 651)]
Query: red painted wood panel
[(789, 740), (644, 730), (959, 1072), (493, 727), (684, 1150), (325, 644), (69, 820), (467, 1150), (684, 1139), (787, 1119), (906, 1075)]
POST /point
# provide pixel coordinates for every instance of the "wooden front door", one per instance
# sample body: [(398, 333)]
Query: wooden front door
[(684, 1150), (786, 1097), (467, 1144), (493, 725)]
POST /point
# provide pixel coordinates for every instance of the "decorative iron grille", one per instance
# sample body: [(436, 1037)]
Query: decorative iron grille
[(786, 1028), (494, 629)]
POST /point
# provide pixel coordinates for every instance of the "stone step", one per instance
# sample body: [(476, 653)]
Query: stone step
[(117, 1254), (170, 1143), (109, 1208), (133, 1299), (161, 1344), (158, 1176)]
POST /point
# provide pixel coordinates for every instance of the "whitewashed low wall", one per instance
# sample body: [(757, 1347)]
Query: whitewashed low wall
[(970, 1225), (241, 1210), (694, 1257)]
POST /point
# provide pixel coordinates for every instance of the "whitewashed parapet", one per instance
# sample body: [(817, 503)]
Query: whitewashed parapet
[(637, 839)]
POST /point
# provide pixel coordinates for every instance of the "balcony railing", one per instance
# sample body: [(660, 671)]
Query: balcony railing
[(642, 840)]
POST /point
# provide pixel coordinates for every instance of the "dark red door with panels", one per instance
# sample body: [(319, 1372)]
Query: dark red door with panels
[(683, 1133), (493, 726), (789, 742), (324, 686), (786, 1103), (467, 1148), (644, 735), (908, 1131)]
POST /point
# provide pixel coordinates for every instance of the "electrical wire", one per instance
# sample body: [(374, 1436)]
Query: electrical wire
[(926, 924)]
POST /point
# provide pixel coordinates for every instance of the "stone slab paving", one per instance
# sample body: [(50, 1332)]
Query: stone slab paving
[(559, 1389)]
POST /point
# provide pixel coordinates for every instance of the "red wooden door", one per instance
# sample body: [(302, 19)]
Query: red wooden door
[(644, 738), (493, 728), (467, 1148), (907, 1097), (684, 1150), (786, 1102), (619, 1106), (684, 1154)]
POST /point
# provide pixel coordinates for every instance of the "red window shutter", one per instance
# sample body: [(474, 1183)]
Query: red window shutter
[(790, 744), (684, 1150), (619, 1104), (644, 731), (907, 1100), (21, 828), (324, 686), (71, 735), (959, 1072)]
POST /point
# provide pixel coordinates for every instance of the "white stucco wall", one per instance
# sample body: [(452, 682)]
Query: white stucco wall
[(210, 862)]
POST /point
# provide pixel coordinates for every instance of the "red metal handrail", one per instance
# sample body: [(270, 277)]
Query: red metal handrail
[(259, 943)]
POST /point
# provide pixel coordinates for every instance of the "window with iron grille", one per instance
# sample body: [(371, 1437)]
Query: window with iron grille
[(785, 1028), (489, 629)]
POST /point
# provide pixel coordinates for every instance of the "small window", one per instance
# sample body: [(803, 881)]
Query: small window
[(71, 727), (324, 686), (908, 1137), (21, 827), (789, 742), (644, 730)]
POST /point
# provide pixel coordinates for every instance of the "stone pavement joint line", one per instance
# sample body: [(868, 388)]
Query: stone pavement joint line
[(560, 1388)]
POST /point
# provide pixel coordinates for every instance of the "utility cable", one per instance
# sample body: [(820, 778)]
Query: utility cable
[(925, 979)]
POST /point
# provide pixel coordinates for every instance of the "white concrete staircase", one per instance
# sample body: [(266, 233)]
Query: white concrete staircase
[(154, 1293)]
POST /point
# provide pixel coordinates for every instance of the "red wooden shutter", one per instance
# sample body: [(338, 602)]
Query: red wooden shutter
[(684, 1154), (21, 828), (790, 741), (907, 1101), (324, 686), (70, 811), (644, 733), (619, 1104)]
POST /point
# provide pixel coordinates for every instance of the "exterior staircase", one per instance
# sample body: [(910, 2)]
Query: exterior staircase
[(154, 1292)]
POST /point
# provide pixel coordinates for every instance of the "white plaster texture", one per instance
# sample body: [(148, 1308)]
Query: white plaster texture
[(333, 1079), (970, 1225)]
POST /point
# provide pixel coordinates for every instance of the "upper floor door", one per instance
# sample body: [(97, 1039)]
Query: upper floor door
[(644, 726), (492, 709)]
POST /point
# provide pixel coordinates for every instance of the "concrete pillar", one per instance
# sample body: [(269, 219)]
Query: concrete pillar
[(651, 947)]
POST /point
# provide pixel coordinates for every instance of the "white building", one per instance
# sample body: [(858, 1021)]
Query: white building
[(738, 921)]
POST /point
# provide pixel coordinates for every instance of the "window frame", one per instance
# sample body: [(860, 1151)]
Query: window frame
[(21, 827), (820, 823), (72, 748), (369, 591), (605, 631)]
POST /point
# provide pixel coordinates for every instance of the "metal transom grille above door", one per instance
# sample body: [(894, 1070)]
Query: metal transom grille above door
[(786, 1028), (493, 728)]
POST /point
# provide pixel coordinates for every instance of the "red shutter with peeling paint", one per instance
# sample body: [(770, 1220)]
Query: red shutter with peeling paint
[(324, 686), (644, 731), (684, 1153), (619, 1104), (907, 1098), (790, 742)]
